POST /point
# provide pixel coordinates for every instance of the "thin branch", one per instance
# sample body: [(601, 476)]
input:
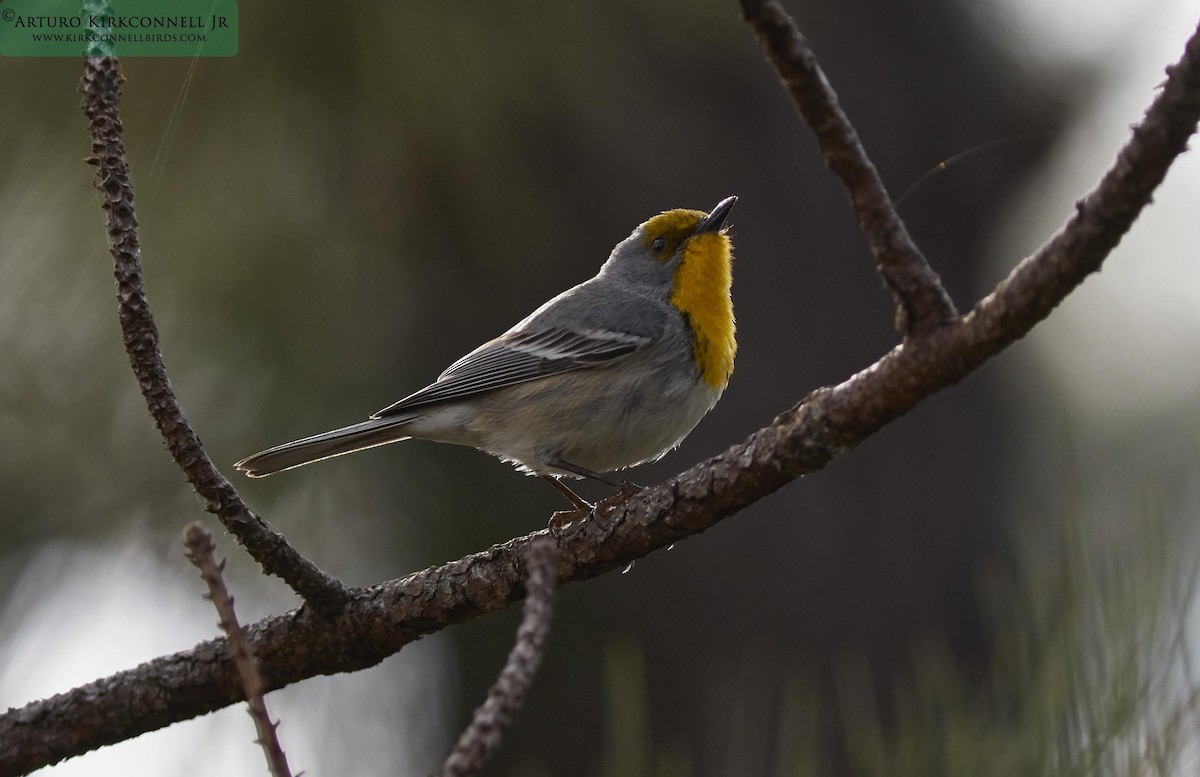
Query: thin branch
[(101, 95), (922, 304), (483, 736), (200, 551), (827, 424)]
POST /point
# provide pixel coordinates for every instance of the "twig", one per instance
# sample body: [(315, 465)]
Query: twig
[(101, 95), (200, 551), (827, 424), (482, 737), (922, 304)]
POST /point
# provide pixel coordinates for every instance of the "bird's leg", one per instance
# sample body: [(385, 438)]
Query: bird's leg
[(575, 499), (625, 489), (582, 507)]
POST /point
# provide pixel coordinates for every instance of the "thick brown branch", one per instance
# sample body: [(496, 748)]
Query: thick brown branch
[(922, 304), (101, 93), (506, 696), (202, 553), (825, 425)]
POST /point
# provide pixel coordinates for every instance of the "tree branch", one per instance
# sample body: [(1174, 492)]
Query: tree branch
[(827, 424), (922, 304), (201, 552), (482, 737), (101, 96)]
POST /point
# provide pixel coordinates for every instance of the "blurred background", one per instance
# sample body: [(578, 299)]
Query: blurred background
[(368, 191)]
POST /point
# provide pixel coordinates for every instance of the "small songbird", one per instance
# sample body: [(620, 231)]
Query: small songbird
[(609, 374)]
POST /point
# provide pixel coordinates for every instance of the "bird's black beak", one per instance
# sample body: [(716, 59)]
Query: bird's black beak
[(715, 220)]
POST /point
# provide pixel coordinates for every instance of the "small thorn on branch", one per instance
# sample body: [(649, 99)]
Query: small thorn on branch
[(202, 553), (486, 730)]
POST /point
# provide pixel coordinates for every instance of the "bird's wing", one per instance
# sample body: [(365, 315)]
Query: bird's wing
[(521, 356)]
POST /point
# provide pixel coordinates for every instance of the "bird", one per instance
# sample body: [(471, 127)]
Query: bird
[(609, 374)]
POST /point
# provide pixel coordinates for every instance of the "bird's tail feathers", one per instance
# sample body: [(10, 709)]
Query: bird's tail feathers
[(348, 439)]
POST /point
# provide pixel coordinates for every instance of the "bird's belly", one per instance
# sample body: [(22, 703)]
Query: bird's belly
[(598, 425)]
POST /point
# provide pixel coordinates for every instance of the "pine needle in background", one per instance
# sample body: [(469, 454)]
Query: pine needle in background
[(1091, 676), (1091, 671)]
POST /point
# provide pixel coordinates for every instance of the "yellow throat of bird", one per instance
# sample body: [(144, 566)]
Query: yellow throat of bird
[(701, 293), (701, 289)]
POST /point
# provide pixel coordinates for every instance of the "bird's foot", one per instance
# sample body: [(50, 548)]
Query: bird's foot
[(563, 518), (627, 491)]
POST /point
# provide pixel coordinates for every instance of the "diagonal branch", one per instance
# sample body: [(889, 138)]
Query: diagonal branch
[(101, 94), (922, 304), (829, 423), (202, 553), (486, 730)]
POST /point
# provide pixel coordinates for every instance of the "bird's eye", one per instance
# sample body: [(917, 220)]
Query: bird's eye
[(659, 245)]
